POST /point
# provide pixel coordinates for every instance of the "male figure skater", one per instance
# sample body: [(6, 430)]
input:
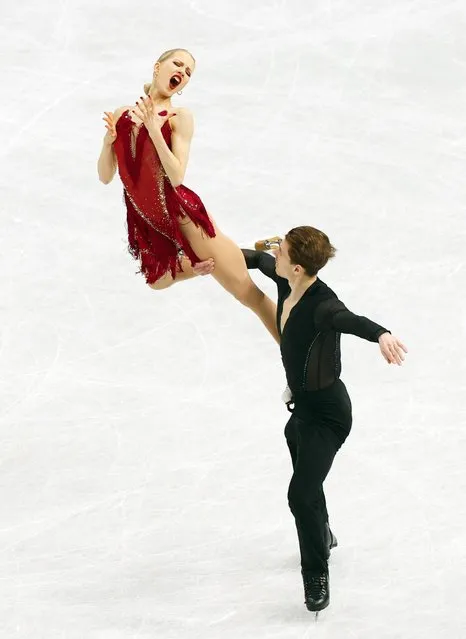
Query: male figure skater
[(310, 319)]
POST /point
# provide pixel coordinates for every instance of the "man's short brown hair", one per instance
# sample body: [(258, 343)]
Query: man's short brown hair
[(310, 248)]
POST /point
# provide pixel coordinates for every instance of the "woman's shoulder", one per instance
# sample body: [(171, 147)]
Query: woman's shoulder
[(183, 111), (183, 121), (182, 114)]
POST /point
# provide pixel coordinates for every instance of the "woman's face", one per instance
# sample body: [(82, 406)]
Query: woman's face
[(173, 75)]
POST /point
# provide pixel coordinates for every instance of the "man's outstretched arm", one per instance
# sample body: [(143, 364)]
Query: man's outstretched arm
[(333, 315)]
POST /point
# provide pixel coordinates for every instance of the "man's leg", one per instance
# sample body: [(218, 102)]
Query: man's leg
[(291, 434), (315, 450)]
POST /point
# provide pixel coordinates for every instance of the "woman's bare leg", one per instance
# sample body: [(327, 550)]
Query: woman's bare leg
[(231, 272)]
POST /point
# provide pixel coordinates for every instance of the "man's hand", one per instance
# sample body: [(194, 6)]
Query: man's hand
[(204, 268), (392, 349)]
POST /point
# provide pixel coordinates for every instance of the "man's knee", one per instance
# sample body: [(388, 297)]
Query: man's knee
[(302, 497)]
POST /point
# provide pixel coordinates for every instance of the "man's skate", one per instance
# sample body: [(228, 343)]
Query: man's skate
[(316, 592), (268, 244)]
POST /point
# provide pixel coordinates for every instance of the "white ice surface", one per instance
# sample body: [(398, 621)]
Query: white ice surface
[(144, 472)]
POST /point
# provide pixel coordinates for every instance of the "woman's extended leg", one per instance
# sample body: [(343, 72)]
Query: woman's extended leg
[(231, 272)]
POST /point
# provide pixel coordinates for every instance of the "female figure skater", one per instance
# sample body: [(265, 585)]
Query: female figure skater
[(169, 230)]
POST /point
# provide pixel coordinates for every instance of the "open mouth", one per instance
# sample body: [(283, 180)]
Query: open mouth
[(175, 80)]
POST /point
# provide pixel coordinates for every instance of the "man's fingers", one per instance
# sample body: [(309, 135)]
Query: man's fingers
[(392, 354), (402, 346), (205, 267), (396, 358), (393, 350), (400, 350), (388, 355)]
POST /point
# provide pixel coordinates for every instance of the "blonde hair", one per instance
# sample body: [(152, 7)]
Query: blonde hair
[(165, 56)]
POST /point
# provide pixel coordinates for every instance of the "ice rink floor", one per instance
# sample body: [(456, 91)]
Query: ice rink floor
[(144, 471)]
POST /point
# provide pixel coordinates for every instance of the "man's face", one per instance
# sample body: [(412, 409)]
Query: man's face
[(283, 266)]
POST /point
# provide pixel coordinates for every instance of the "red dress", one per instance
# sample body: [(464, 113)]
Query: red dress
[(153, 205)]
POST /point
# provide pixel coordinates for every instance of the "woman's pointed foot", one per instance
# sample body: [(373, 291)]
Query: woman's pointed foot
[(268, 244)]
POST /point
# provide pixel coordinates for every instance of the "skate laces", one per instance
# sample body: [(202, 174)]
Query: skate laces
[(315, 586)]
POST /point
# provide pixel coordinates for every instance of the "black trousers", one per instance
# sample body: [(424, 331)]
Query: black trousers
[(320, 423)]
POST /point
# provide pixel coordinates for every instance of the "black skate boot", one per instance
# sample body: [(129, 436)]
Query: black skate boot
[(330, 540), (316, 592)]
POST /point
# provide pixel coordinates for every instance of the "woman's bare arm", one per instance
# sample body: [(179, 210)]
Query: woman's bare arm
[(107, 162)]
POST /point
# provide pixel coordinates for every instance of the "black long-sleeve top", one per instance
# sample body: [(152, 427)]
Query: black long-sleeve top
[(310, 343)]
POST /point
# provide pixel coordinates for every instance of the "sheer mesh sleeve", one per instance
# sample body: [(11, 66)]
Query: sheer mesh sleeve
[(333, 315)]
